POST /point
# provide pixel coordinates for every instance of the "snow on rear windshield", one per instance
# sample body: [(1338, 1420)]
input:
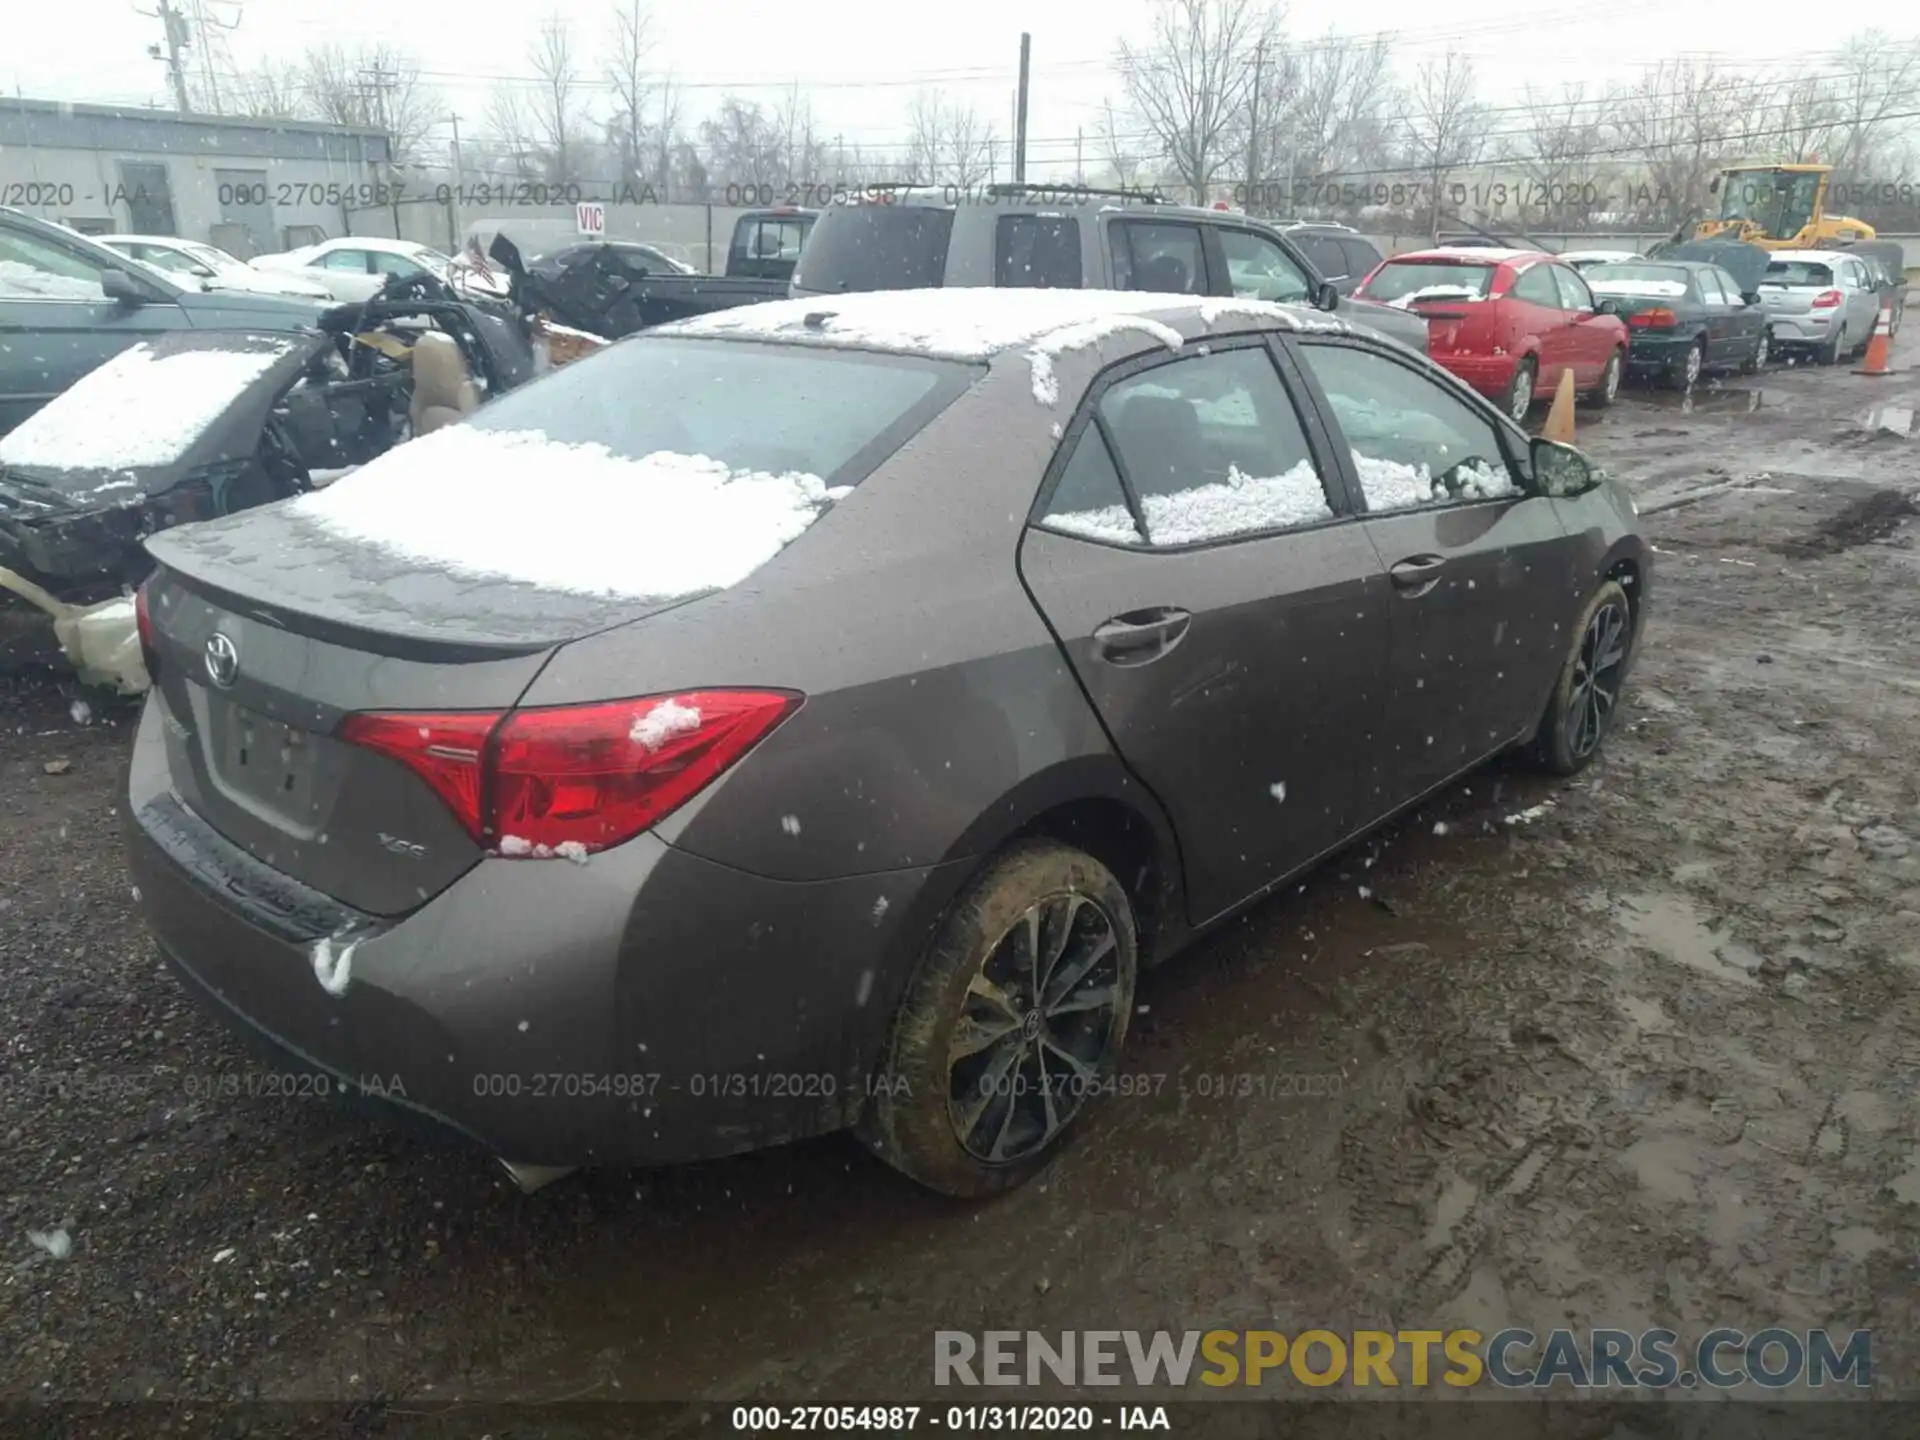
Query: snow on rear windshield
[(1619, 279), (569, 516), (773, 408), (137, 409), (653, 469), (1399, 279), (1797, 272)]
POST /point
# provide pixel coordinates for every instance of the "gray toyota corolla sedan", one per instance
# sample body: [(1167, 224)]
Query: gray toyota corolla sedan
[(816, 714)]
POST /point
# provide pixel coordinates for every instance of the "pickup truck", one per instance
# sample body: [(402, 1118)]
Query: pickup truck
[(612, 288), (1039, 236)]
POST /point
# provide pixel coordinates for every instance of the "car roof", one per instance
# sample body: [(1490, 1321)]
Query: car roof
[(366, 242), (1825, 257), (169, 240), (977, 322)]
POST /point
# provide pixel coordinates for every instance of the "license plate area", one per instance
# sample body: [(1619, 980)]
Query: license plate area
[(260, 760)]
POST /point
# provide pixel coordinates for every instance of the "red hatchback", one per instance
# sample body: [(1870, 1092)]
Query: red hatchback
[(1508, 322)]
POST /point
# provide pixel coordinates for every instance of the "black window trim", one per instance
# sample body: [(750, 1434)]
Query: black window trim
[(1514, 443), (1217, 257), (1335, 482)]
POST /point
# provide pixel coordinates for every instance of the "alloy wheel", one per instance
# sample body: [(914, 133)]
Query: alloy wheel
[(1692, 371), (1596, 679), (1522, 393), (1761, 350), (1039, 1020), (1610, 383)]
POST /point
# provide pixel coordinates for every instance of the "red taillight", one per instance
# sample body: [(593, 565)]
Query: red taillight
[(591, 776), (1826, 300), (445, 750), (1658, 318)]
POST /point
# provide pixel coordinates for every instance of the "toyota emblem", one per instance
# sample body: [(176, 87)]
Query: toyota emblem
[(223, 660)]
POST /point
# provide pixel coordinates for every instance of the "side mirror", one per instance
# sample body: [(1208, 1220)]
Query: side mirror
[(1751, 297), (1326, 297), (1605, 307), (119, 286), (1561, 471)]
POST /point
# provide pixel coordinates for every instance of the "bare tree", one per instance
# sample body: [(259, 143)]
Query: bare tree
[(1446, 126), (1191, 83), (555, 105), (627, 78), (1115, 150), (1876, 80), (270, 92), (376, 85), (506, 141), (1559, 157), (803, 157), (1681, 122), (668, 143), (1323, 109), (744, 145), (948, 142)]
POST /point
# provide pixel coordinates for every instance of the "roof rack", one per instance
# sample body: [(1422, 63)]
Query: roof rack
[(1151, 197)]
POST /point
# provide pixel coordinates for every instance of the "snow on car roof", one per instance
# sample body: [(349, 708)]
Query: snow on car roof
[(1824, 257), (138, 409), (971, 323)]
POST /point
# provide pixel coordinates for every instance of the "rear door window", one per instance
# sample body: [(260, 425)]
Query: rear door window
[(1155, 255), (1323, 252), (1037, 251), (354, 261), (877, 247), (1361, 257), (1536, 286), (1708, 284), (1209, 447), (1414, 444)]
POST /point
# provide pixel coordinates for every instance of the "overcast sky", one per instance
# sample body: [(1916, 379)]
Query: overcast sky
[(863, 59)]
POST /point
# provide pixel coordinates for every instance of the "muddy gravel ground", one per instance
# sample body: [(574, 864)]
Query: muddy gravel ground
[(1636, 1050)]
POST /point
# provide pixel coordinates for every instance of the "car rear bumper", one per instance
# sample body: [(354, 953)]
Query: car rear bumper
[(1489, 374), (1803, 329), (645, 1007), (1657, 352)]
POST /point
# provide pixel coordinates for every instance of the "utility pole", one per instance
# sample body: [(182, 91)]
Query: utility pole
[(459, 182), (212, 48), (1020, 115), (1253, 123), (1079, 172), (179, 36)]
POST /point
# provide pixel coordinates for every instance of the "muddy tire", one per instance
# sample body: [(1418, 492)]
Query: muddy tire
[(1586, 697), (1829, 354), (979, 1087), (1762, 350), (1603, 394), (1685, 372), (1520, 393)]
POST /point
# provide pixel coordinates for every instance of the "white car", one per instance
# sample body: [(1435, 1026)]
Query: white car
[(1584, 259), (354, 267), (187, 261), (1823, 300)]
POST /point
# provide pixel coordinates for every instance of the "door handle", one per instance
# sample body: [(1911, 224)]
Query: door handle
[(1140, 636), (1418, 574)]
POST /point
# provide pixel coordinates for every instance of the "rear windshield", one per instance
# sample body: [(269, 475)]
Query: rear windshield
[(1796, 272), (1638, 279), (1429, 279), (772, 408), (1037, 251), (876, 247)]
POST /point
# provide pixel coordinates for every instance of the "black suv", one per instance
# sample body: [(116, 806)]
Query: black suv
[(1343, 256), (923, 237)]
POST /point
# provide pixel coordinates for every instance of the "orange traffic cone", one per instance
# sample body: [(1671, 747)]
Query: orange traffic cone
[(1879, 360), (1559, 426)]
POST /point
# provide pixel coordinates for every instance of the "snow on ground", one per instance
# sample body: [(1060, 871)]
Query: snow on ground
[(137, 409), (1239, 505), (660, 526)]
